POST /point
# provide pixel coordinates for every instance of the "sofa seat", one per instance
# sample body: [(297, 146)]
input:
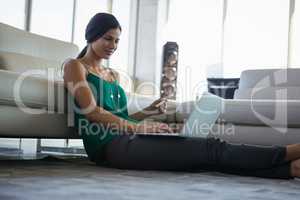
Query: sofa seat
[(254, 112), (17, 123)]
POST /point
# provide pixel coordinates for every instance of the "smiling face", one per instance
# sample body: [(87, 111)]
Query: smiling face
[(106, 45)]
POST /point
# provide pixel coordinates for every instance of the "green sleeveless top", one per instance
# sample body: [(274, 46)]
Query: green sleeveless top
[(111, 97)]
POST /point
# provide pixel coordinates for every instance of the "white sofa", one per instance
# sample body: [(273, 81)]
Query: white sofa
[(33, 100), (248, 118), (265, 109)]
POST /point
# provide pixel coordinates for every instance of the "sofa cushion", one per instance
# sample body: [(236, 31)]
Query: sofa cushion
[(23, 63), (34, 92)]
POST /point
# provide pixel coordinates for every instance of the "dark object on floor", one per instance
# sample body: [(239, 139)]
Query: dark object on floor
[(223, 87), (168, 85)]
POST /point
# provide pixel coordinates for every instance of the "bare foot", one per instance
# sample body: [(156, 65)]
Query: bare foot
[(295, 168), (292, 152)]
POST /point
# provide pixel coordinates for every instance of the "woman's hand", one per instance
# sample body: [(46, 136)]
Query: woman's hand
[(157, 107), (153, 127)]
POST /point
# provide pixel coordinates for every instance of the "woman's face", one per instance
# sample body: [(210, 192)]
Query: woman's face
[(106, 45)]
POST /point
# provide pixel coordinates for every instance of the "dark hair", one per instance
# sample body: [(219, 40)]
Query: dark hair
[(82, 52), (97, 27)]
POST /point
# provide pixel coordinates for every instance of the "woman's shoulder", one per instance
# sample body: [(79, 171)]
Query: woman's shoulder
[(72, 62), (73, 66)]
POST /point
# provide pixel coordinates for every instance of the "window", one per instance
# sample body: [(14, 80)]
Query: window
[(197, 28), (52, 18), (295, 37), (121, 9), (17, 7), (85, 10), (256, 35)]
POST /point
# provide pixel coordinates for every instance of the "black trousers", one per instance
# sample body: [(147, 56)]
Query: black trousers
[(156, 152)]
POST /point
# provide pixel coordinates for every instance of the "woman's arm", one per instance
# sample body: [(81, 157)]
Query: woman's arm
[(139, 116)]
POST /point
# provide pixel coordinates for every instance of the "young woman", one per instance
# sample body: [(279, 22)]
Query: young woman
[(107, 130)]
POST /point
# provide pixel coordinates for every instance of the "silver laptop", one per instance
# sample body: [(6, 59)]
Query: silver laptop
[(201, 120)]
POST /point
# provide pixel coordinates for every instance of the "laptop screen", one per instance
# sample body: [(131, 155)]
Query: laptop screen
[(204, 115)]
